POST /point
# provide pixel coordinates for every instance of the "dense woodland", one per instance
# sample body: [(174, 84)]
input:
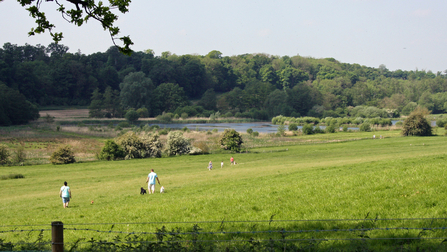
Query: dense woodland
[(259, 86)]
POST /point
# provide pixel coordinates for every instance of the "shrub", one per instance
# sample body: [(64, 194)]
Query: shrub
[(330, 129), (12, 176), (63, 155), (416, 124), (231, 140), (366, 127), (293, 127), (228, 114), (4, 154), (215, 130), (163, 132), (202, 146), (111, 151), (184, 115), (20, 154), (441, 123), (308, 129), (318, 130), (132, 116), (165, 117), (281, 129), (177, 144), (345, 128), (255, 133), (152, 145), (142, 112), (250, 131), (48, 118), (123, 124)]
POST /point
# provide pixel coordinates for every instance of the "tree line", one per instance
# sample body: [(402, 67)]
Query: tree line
[(259, 86)]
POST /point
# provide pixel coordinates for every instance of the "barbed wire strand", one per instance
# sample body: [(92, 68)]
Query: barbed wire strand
[(235, 241), (247, 221), (285, 240), (262, 232)]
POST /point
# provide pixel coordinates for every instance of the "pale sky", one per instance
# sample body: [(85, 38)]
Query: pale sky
[(401, 34)]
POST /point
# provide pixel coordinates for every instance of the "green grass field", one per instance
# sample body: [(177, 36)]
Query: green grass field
[(357, 181)]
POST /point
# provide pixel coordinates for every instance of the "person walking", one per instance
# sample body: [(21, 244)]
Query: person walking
[(232, 160), (210, 166), (151, 179), (65, 194)]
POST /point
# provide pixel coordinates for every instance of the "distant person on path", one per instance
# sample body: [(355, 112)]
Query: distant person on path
[(65, 194), (151, 179), (221, 164), (231, 160), (210, 166)]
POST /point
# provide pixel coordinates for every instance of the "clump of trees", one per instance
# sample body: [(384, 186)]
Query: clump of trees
[(144, 146), (416, 124), (15, 108)]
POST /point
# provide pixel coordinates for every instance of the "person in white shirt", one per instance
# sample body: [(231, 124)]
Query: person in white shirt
[(65, 194)]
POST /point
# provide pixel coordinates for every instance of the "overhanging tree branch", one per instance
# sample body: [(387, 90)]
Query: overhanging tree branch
[(80, 13)]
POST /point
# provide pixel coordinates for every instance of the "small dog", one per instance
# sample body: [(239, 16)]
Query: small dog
[(162, 189), (143, 191)]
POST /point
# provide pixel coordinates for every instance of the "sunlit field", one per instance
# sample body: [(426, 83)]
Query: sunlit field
[(320, 182)]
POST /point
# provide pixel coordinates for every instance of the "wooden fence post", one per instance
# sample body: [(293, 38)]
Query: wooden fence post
[(57, 236)]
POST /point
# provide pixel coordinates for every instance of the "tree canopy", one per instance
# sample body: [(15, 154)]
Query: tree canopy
[(256, 86)]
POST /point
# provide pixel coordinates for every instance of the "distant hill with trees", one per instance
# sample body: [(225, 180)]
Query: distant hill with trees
[(258, 86)]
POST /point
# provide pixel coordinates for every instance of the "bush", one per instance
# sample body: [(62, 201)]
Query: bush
[(365, 127), (308, 129), (143, 112), (177, 144), (20, 154), (416, 124), (184, 115), (163, 132), (281, 130), (250, 131), (228, 114), (318, 130), (231, 140), (255, 133), (165, 117), (63, 155), (293, 127), (4, 154), (441, 123), (202, 146), (111, 151), (345, 128), (123, 124), (132, 116), (330, 129)]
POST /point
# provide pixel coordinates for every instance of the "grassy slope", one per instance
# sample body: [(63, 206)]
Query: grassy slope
[(392, 178)]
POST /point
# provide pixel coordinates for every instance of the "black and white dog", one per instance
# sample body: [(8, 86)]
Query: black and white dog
[(143, 191)]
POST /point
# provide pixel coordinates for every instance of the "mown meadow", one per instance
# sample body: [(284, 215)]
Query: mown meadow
[(341, 191)]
